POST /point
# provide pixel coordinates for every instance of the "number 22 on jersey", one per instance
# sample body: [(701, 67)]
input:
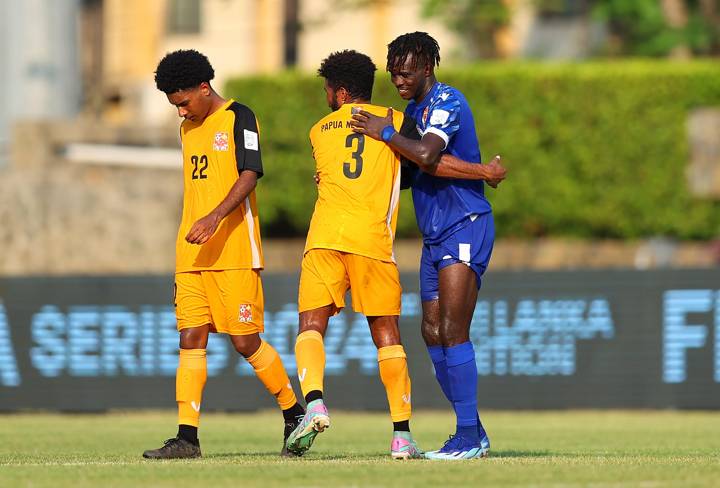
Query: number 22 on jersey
[(200, 165)]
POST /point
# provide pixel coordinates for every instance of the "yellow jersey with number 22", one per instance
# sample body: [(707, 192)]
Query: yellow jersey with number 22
[(214, 154)]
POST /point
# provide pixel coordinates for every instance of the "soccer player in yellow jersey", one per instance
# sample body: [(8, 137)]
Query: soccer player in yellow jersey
[(349, 245), (218, 252)]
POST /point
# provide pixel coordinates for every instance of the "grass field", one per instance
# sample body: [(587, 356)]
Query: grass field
[(563, 449)]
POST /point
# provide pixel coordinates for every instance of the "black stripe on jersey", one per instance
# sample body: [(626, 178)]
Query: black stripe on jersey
[(245, 158)]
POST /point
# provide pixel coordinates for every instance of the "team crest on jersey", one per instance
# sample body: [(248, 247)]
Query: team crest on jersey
[(245, 314), (425, 115), (220, 143)]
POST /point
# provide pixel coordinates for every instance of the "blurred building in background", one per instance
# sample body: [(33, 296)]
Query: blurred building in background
[(100, 54), (238, 36), (39, 59), (267, 36), (61, 57)]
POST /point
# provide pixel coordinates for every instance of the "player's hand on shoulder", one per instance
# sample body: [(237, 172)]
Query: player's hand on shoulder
[(371, 125), (203, 229), (497, 172)]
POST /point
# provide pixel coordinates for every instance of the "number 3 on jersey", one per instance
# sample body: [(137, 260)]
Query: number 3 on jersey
[(356, 155), (200, 165)]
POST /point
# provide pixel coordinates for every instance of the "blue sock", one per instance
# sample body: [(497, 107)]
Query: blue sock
[(437, 356), (468, 432), (463, 376), (480, 429)]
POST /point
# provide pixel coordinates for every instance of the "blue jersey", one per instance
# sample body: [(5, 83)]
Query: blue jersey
[(443, 205)]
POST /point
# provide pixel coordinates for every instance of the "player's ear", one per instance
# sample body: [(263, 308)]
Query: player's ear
[(428, 70)]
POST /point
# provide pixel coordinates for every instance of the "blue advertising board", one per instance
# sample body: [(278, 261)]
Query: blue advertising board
[(580, 339)]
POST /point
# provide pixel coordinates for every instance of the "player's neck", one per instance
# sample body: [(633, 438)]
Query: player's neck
[(431, 80), (215, 103), (356, 101)]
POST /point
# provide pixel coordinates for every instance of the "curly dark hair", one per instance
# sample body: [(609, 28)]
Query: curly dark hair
[(424, 49), (351, 70), (183, 69)]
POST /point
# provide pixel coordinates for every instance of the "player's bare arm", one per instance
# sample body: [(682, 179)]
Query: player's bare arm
[(452, 167), (425, 152), (202, 230)]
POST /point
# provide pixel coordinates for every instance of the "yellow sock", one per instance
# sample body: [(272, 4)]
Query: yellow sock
[(310, 357), (189, 384), (270, 370), (394, 374)]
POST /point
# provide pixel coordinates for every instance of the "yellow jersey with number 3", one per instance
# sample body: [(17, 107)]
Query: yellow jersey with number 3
[(214, 154), (359, 190)]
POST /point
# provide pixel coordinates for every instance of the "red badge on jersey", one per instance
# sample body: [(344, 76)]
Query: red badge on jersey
[(425, 114), (245, 314), (221, 141)]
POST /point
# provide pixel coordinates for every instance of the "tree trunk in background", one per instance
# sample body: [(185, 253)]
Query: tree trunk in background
[(709, 10), (91, 54), (676, 16)]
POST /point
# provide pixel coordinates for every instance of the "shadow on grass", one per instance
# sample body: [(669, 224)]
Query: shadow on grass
[(519, 454), (274, 454), (313, 456)]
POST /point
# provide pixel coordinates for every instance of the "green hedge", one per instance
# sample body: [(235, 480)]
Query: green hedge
[(594, 150)]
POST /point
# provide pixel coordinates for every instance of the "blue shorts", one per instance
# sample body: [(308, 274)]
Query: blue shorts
[(472, 245)]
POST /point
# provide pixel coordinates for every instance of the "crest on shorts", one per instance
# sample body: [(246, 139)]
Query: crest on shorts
[(245, 313), (220, 143)]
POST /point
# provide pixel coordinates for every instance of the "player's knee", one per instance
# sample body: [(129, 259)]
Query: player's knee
[(431, 338), (453, 332), (386, 336), (246, 345), (316, 320), (430, 333), (194, 337)]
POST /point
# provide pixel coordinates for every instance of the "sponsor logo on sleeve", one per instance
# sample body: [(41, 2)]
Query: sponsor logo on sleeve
[(439, 117), (251, 140)]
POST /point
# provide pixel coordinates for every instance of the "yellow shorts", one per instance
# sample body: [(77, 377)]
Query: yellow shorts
[(327, 274), (231, 301)]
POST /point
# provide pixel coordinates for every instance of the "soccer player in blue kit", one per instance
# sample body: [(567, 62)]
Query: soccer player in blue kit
[(454, 217)]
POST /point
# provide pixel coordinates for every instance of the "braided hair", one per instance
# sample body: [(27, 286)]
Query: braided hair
[(424, 49)]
